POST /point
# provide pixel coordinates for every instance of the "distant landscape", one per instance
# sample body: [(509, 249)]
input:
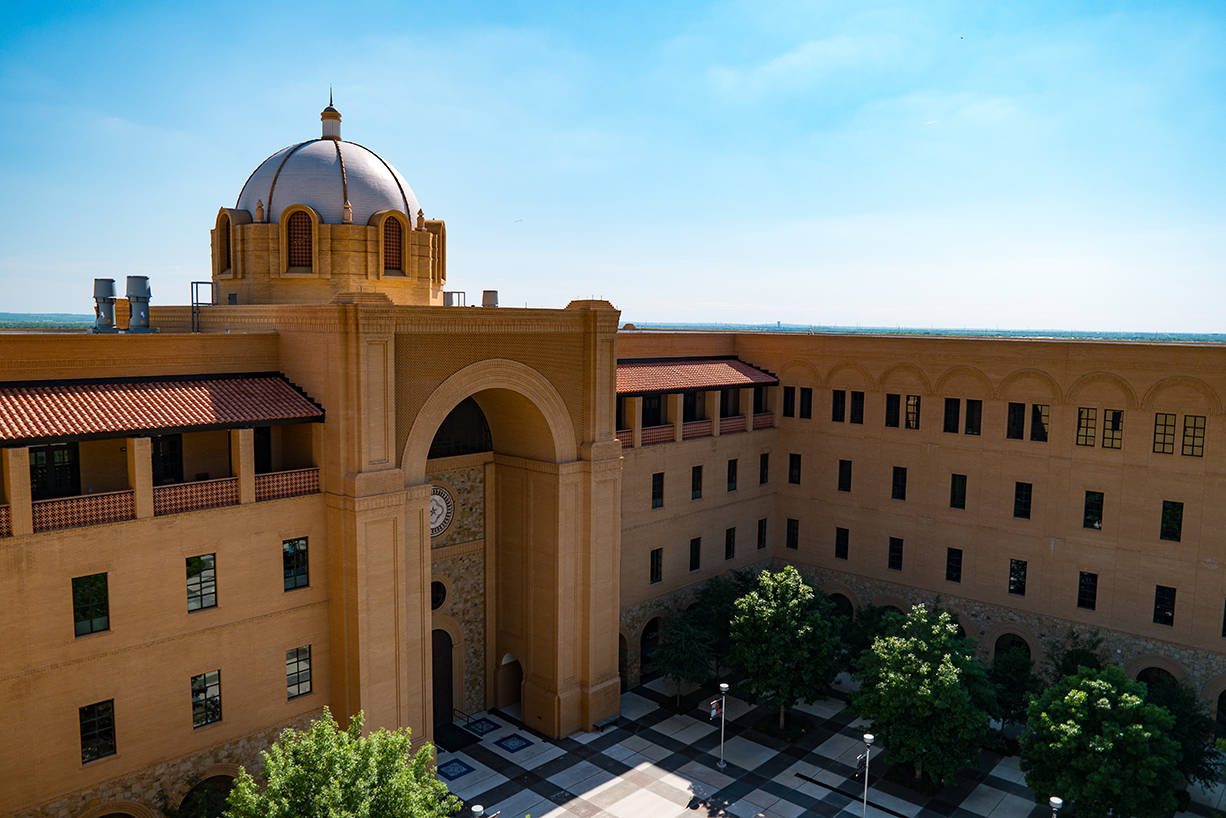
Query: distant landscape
[(49, 320), (1063, 335)]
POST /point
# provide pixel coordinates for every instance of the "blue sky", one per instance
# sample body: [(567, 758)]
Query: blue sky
[(1038, 165)]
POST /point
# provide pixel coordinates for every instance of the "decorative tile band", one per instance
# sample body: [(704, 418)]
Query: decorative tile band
[(286, 484), (658, 434), (194, 496), (88, 509), (626, 436), (6, 523), (696, 428), (764, 420), (732, 425)]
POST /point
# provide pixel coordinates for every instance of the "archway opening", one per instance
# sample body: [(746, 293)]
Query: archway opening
[(207, 799), (510, 682), (444, 706), (1155, 676), (464, 431), (843, 606), (1010, 641), (648, 643)]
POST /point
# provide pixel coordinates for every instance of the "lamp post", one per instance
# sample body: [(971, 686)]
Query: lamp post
[(1056, 804), (723, 719), (868, 748), (478, 810)]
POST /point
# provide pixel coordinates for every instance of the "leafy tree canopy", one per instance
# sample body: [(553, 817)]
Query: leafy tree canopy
[(716, 607), (684, 650), (1194, 729), (1013, 676), (869, 622), (326, 772), (1072, 651)]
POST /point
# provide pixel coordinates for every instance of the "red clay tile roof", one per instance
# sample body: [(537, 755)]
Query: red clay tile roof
[(639, 377), (101, 409)]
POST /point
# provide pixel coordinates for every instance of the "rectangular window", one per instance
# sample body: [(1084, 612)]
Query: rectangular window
[(696, 483), (953, 564), (167, 454), (55, 471), (732, 475), (1164, 434), (1093, 511), (729, 543), (806, 403), (793, 468), (90, 605), (1172, 521), (1087, 420), (844, 475), (201, 582), (653, 411), (761, 533), (898, 489), (842, 538), (974, 416), (764, 468), (97, 730), (1087, 590), (1021, 500), (1113, 428), (1193, 435), (1039, 415), (657, 565), (294, 557), (895, 558), (893, 406), (657, 490), (206, 698), (789, 401), (1017, 577), (695, 553), (729, 403), (857, 407), (1224, 621), (1164, 605), (1015, 423), (838, 405), (297, 672), (793, 541), (957, 491), (693, 406), (913, 411), (953, 411)]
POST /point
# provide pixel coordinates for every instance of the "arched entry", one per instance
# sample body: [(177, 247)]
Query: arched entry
[(843, 606), (648, 642), (510, 681), (1010, 641), (443, 702), (1153, 676), (208, 798)]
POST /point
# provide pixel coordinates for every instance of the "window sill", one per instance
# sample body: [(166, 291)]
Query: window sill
[(97, 761)]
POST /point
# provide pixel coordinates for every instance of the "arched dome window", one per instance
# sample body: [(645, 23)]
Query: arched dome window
[(391, 244), (300, 240), (226, 260)]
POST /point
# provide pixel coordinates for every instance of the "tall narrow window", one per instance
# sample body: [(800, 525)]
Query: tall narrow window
[(1015, 424), (1193, 435), (90, 606), (729, 543), (789, 401), (695, 553), (842, 539), (1039, 414), (1164, 433), (898, 489), (844, 475), (732, 475), (764, 468), (793, 468), (806, 402), (761, 533), (1164, 605), (913, 411), (299, 230), (201, 582), (167, 454), (693, 407), (1021, 500), (1113, 429), (657, 565), (653, 411), (1172, 521), (953, 408), (696, 483), (857, 407), (297, 567), (206, 698), (97, 730), (957, 491), (793, 538), (838, 405), (55, 471), (298, 669), (391, 244), (953, 564), (1087, 590), (1087, 419), (1017, 577), (894, 562), (1093, 517), (893, 408), (974, 416), (657, 490), (227, 255)]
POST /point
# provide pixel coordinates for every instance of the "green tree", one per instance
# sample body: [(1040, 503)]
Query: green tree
[(716, 607), (782, 641), (684, 650), (927, 695), (869, 622), (326, 772), (1072, 651), (1194, 729), (1012, 674), (1093, 740)]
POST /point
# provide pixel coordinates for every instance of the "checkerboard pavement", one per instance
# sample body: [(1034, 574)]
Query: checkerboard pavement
[(653, 763)]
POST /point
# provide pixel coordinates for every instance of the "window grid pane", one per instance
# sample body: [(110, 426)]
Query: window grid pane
[(898, 490), (1093, 510), (294, 556), (1039, 414), (657, 490), (913, 411), (957, 491), (838, 405), (1164, 433), (298, 671), (731, 475), (1164, 605), (1172, 521), (730, 543), (1087, 590), (764, 468), (895, 558), (299, 240), (1193, 436), (789, 401), (844, 475), (696, 483), (953, 409), (857, 407), (695, 553), (893, 405), (793, 540), (1113, 429), (90, 609), (201, 582), (806, 403), (793, 468), (97, 730), (1017, 577), (657, 565), (391, 243), (206, 698), (1015, 426), (761, 533), (974, 416), (1021, 500), (1087, 420), (953, 564)]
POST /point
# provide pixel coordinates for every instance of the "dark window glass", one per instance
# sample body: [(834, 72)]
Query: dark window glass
[(696, 483), (913, 411), (838, 405), (789, 401), (294, 557), (793, 468), (1172, 521), (167, 453), (206, 698), (621, 423), (1015, 425), (844, 475), (299, 240), (653, 411), (764, 468), (225, 243), (692, 407), (464, 431), (893, 404), (759, 399), (1087, 590), (54, 471), (729, 403), (1193, 435), (438, 595), (391, 243), (806, 402), (1087, 420), (1093, 511), (97, 730), (761, 533), (895, 558), (1164, 433), (90, 606), (732, 475), (657, 490), (957, 491), (1039, 414), (974, 416), (1164, 605), (793, 540), (729, 543), (1223, 624), (1021, 500), (953, 564), (298, 669), (201, 582), (842, 538), (657, 565), (857, 407), (261, 441), (898, 489), (1113, 429), (695, 553), (953, 411), (1017, 577)]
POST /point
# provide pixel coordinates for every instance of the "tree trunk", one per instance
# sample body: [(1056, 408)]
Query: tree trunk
[(678, 694), (782, 710)]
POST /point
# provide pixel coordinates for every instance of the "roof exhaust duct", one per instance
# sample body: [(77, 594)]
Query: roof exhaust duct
[(104, 305), (489, 298), (138, 298)]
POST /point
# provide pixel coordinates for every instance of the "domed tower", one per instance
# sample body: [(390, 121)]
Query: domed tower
[(328, 220)]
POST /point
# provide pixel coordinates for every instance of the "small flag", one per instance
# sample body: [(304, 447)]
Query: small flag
[(717, 708), (861, 763)]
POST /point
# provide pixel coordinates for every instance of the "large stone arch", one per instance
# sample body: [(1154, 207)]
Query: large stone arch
[(1211, 397), (1094, 378), (970, 372), (832, 586), (988, 640), (910, 369), (133, 808), (1146, 660), (227, 769), (859, 369), (1030, 374)]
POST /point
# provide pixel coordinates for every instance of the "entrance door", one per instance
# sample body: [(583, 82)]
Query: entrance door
[(443, 702)]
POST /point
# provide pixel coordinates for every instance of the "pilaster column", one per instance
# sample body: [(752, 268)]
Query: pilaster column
[(636, 422), (746, 399), (140, 475), (713, 408), (242, 461), (676, 413), (16, 466)]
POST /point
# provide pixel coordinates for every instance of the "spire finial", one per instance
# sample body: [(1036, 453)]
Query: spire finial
[(329, 94)]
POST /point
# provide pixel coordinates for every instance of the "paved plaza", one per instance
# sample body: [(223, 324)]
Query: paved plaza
[(652, 763)]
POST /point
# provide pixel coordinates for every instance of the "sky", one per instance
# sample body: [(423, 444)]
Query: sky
[(1039, 165)]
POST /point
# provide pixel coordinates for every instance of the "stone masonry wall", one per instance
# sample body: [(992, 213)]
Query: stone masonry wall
[(466, 604), (468, 488)]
